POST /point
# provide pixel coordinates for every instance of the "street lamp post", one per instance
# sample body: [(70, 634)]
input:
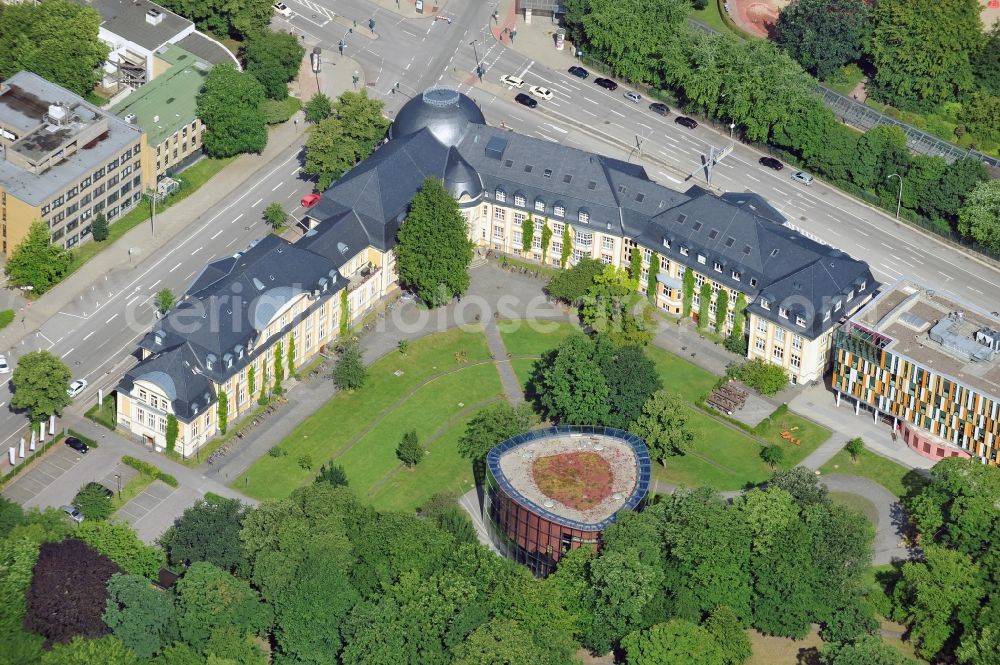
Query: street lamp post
[(732, 126), (118, 477), (899, 200), (479, 69)]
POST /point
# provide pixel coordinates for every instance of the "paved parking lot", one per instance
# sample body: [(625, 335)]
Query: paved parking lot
[(42, 473), (145, 502)]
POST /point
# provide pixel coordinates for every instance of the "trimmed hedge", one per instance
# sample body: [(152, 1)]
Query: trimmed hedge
[(150, 470)]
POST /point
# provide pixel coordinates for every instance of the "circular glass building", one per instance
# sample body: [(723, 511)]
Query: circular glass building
[(552, 490)]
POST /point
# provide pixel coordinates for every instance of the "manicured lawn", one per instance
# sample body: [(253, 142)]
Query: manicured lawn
[(711, 17), (858, 503), (426, 411), (444, 470), (343, 418), (807, 432), (523, 367), (681, 376), (894, 477), (770, 650), (533, 337)]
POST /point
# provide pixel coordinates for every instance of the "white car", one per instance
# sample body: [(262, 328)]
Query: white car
[(4, 367), (540, 92), (282, 8), (76, 387), (512, 81)]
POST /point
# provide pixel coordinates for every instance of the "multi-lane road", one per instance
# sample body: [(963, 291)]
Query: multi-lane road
[(96, 334)]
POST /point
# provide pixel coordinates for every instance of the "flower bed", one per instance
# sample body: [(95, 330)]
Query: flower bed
[(580, 480)]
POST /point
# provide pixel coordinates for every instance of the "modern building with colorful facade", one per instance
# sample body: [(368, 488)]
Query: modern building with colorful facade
[(928, 364), (552, 490)]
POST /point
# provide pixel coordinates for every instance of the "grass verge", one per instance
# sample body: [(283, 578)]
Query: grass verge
[(191, 180), (103, 415), (858, 503), (347, 416), (894, 477), (533, 337), (6, 316)]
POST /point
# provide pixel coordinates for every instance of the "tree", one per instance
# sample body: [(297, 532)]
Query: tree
[(546, 238), (576, 10), (849, 623), (567, 247), (663, 425), (614, 308), (490, 426), (444, 510), (688, 292), (409, 451), (855, 447), (100, 228), (225, 18), (570, 385), (80, 651), (165, 300), (573, 284), (500, 641), (318, 108), (879, 153), (40, 381), (762, 376), (922, 50), (207, 531), (823, 35), (631, 36), (868, 650), (721, 310), (251, 380), (138, 614), (67, 595), (119, 542), (229, 644), (986, 62), (772, 455), (333, 474), (345, 314), (339, 142), (222, 410), (350, 372), (736, 342), (676, 642), (209, 598), (802, 484), (276, 217), (527, 234), (981, 117), (36, 262), (10, 516), (979, 218), (291, 355), (264, 396), (229, 105), (651, 281), (273, 58), (173, 429), (434, 250), (93, 502), (724, 626), (704, 304), (622, 585), (631, 377), (279, 367), (56, 39)]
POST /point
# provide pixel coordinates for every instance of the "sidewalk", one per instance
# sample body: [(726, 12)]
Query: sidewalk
[(408, 8)]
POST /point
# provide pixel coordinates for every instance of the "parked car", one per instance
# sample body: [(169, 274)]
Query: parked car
[(76, 387), (282, 9), (659, 109), (4, 367), (685, 121), (74, 513), (633, 96), (103, 488), (771, 163), (579, 72), (803, 177), (539, 91), (607, 84), (526, 100), (77, 445), (512, 81), (309, 200)]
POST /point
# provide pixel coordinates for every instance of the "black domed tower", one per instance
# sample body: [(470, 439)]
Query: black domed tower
[(444, 112)]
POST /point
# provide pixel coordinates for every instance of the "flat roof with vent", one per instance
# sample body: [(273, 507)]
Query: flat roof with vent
[(170, 98)]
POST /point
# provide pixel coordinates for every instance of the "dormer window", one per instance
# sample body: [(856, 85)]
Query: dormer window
[(519, 199), (584, 217), (501, 195), (539, 205), (826, 315), (558, 210), (684, 251), (753, 281), (239, 352), (209, 361), (765, 304), (799, 321), (850, 295), (701, 259), (666, 243), (736, 275), (782, 312), (862, 286), (836, 306), (717, 266), (228, 359)]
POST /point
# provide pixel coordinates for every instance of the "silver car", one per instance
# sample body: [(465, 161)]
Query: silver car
[(803, 177), (74, 513)]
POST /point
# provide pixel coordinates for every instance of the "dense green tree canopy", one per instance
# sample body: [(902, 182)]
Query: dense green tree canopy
[(207, 531), (865, 651), (676, 642), (663, 425), (632, 378), (824, 35), (229, 105), (614, 308), (118, 541), (209, 598), (631, 34), (40, 382), (573, 284), (225, 18), (273, 58), (56, 39), (434, 250), (80, 651), (569, 384), (36, 262), (352, 130), (138, 614), (979, 217), (93, 502), (921, 50)]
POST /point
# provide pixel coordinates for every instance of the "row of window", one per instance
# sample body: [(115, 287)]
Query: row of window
[(539, 205), (95, 176)]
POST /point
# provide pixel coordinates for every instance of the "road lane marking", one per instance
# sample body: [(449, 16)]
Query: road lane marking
[(255, 203), (88, 335), (278, 185), (176, 266), (68, 352), (153, 286), (558, 129), (217, 234), (889, 247), (111, 319), (751, 177)]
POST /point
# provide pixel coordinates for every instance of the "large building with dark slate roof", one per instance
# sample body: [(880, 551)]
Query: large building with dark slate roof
[(796, 290)]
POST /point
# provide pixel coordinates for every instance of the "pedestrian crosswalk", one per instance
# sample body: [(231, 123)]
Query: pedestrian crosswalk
[(316, 8)]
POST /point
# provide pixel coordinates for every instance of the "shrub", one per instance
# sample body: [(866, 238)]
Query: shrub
[(93, 501), (765, 378)]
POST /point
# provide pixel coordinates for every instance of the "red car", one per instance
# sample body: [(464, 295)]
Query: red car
[(309, 200)]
